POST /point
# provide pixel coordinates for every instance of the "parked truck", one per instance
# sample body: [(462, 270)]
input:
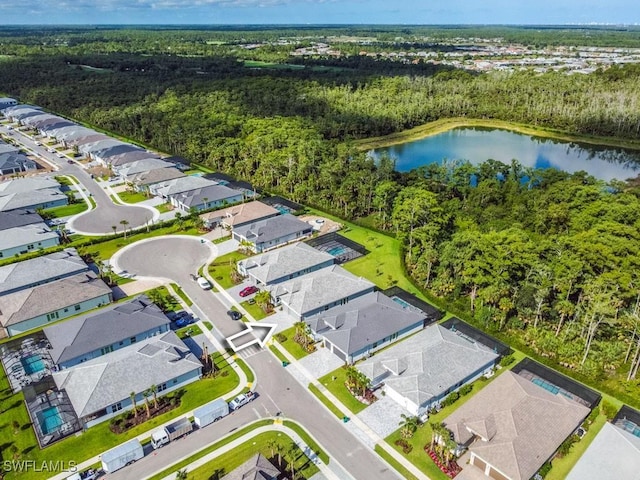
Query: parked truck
[(210, 412), (172, 431), (122, 455), (241, 400)]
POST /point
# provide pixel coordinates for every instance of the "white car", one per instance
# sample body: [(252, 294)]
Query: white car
[(241, 400), (204, 283)]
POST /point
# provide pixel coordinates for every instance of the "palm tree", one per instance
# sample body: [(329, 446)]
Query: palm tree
[(181, 474), (409, 425), (114, 228), (271, 445), (124, 224), (292, 455), (146, 394), (279, 452), (263, 299), (154, 391), (132, 395)]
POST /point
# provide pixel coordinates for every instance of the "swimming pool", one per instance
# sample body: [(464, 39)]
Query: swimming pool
[(401, 302), (32, 364), (631, 427), (335, 251), (50, 420), (546, 385), (282, 209)]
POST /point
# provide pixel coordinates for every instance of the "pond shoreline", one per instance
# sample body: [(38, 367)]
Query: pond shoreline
[(444, 125)]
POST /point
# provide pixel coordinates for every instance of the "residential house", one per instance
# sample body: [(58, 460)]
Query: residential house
[(11, 163), (185, 183), (96, 334), (126, 157), (256, 468), (419, 372), (18, 112), (363, 326), (128, 170), (53, 125), (284, 263), (83, 138), (8, 148), (65, 135), (318, 291), (18, 218), (120, 150), (513, 426), (34, 200), (145, 180), (239, 215), (27, 185), (272, 232), (613, 455), (101, 388), (43, 304), (206, 198), (27, 238), (6, 102), (40, 270)]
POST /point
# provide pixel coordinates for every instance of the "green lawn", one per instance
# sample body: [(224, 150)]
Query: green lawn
[(334, 382), (272, 65), (181, 294), (247, 371), (255, 310), (231, 460), (326, 402), (164, 208), (106, 249), (188, 331), (67, 210), (132, 197), (208, 325), (222, 267), (294, 348), (322, 455), (100, 438), (277, 353)]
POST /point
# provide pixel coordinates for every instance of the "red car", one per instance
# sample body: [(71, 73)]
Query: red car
[(248, 291)]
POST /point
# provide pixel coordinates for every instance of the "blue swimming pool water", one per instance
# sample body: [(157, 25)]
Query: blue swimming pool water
[(50, 420), (547, 386), (32, 364), (335, 251), (401, 302), (282, 209), (632, 428)]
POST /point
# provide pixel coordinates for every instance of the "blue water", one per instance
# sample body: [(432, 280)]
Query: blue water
[(283, 210), (547, 386), (335, 251), (478, 144), (50, 420), (401, 302), (632, 428), (32, 364)]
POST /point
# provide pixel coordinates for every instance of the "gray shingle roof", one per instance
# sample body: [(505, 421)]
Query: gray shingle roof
[(256, 468), (33, 302), (524, 424), (284, 261), (93, 331), (145, 165), (182, 184), (6, 148), (613, 455), (241, 214), (98, 383), (362, 322), (156, 176), (428, 364), (18, 218), (317, 289), (273, 228), (9, 162), (25, 235), (30, 199), (27, 185), (213, 193), (40, 270)]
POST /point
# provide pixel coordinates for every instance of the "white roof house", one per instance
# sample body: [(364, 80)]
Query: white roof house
[(318, 291), (36, 236), (421, 371)]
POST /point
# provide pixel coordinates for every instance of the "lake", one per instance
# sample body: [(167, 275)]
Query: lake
[(479, 144)]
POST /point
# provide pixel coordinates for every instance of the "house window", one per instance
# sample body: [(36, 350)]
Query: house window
[(76, 307), (132, 340), (29, 247), (175, 380), (52, 316), (162, 387), (116, 407), (66, 310), (106, 350)]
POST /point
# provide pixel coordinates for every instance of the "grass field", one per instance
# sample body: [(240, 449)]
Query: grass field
[(255, 310), (67, 210), (294, 348), (188, 331), (406, 474), (325, 401), (181, 294), (222, 267), (164, 208), (98, 438), (132, 197), (277, 353), (334, 382)]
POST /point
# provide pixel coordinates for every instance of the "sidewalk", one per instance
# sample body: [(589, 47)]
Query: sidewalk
[(357, 426), (324, 469)]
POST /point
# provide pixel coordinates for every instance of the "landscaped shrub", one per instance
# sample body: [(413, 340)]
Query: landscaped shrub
[(406, 447), (465, 389), (507, 360), (451, 399), (281, 337), (609, 410), (565, 447), (544, 470)]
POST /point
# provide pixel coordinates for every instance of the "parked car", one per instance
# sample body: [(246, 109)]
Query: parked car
[(204, 283), (235, 315), (241, 400), (245, 292), (70, 161), (184, 321)]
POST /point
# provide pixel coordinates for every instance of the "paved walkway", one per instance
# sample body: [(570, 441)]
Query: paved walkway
[(327, 472), (369, 437)]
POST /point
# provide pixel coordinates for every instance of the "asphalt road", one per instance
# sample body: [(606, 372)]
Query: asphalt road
[(99, 220), (176, 258)]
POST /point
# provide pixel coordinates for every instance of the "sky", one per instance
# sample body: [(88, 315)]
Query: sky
[(548, 12)]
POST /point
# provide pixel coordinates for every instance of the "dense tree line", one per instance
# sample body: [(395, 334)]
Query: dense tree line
[(547, 258)]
